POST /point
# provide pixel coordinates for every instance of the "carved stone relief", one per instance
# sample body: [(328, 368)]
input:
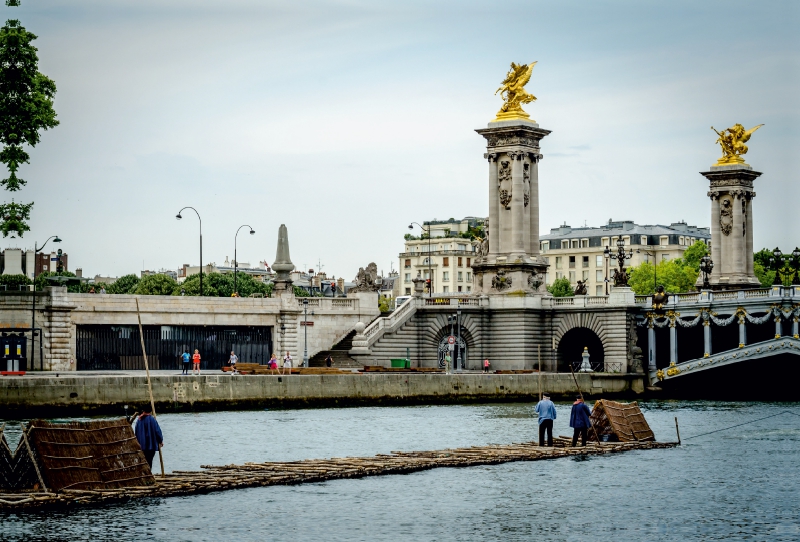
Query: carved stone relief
[(526, 182), (500, 281), (504, 182), (726, 215)]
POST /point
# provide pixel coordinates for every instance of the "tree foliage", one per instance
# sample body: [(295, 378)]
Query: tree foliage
[(156, 285), (26, 108), (42, 282), (676, 276), (13, 282), (126, 284), (222, 285), (561, 288)]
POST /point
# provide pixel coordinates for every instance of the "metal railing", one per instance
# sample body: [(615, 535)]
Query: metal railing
[(600, 366)]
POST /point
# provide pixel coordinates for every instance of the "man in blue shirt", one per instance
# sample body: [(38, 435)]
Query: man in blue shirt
[(547, 413), (579, 421), (148, 433), (187, 359)]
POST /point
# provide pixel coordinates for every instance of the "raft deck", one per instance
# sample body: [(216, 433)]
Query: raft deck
[(221, 478)]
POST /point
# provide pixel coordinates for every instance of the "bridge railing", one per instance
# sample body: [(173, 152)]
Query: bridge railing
[(709, 296)]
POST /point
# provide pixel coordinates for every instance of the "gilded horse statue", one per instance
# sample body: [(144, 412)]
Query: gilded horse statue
[(513, 92)]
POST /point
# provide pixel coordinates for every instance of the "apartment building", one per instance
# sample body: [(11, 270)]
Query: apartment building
[(578, 253), (444, 253)]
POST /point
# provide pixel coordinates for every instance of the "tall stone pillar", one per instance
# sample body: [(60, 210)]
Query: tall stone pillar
[(731, 191), (283, 263), (512, 259)]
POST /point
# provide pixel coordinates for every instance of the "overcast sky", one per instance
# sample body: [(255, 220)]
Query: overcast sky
[(347, 120)]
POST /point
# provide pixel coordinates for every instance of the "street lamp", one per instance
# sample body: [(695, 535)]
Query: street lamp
[(620, 276), (706, 265), (236, 258), (607, 254), (305, 332), (430, 271), (178, 216), (777, 260), (36, 250), (458, 342), (796, 262)]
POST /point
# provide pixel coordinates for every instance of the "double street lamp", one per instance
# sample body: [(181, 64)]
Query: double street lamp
[(236, 258), (706, 266), (36, 250), (779, 260), (178, 216), (430, 271)]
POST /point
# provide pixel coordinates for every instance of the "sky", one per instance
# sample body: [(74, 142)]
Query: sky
[(347, 120)]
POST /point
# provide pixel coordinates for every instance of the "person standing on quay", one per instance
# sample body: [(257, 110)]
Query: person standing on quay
[(233, 359), (329, 361), (148, 434), (486, 366), (196, 362), (579, 421), (287, 363), (547, 414), (187, 360)]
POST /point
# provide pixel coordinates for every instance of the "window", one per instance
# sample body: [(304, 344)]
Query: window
[(426, 261), (574, 243), (572, 277), (445, 289), (572, 262), (604, 241), (408, 291), (564, 244), (585, 276), (460, 263), (585, 261), (426, 275), (598, 261), (627, 240), (584, 243), (559, 275), (408, 277), (643, 240), (408, 264), (460, 276), (459, 288), (681, 240), (558, 262), (598, 290), (664, 257), (547, 260), (469, 262), (598, 276), (545, 246), (462, 247), (446, 261), (614, 241), (446, 276), (469, 276), (469, 288), (664, 240)]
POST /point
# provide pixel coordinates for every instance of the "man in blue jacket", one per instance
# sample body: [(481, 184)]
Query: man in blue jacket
[(547, 413), (148, 433), (579, 421)]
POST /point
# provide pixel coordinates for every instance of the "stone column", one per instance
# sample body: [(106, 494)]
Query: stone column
[(526, 209), (517, 204), (673, 342), (738, 232), (533, 249), (504, 226), (715, 237), (707, 338), (494, 205), (651, 347), (749, 235)]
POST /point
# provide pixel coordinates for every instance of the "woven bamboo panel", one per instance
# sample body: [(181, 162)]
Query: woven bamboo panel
[(620, 421)]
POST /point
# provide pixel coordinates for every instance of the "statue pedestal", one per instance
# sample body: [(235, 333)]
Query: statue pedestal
[(501, 278)]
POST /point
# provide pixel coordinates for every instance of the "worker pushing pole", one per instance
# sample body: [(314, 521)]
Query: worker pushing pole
[(594, 429), (149, 384)]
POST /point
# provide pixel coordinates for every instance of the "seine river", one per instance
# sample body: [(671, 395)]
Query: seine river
[(740, 484)]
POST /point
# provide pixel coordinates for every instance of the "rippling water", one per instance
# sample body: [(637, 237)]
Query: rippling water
[(740, 484)]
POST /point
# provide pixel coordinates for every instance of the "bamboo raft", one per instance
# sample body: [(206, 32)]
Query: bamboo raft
[(221, 478)]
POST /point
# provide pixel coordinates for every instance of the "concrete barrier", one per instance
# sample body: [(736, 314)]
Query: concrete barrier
[(50, 396)]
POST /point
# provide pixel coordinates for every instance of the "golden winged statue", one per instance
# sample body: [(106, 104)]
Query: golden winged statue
[(512, 90), (732, 140)]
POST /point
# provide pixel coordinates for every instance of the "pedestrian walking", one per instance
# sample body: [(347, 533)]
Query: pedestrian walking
[(186, 358), (328, 361), (233, 359), (273, 363), (447, 360), (579, 421), (287, 363), (547, 414), (148, 434), (196, 362), (486, 366)]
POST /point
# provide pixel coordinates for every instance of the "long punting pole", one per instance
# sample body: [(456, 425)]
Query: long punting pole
[(539, 353), (677, 430), (149, 384), (594, 429)]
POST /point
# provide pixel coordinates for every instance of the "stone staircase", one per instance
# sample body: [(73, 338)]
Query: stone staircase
[(339, 353)]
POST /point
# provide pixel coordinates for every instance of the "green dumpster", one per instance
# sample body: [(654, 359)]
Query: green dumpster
[(400, 364)]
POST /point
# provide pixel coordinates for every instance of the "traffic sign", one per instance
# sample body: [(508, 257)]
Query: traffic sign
[(451, 340)]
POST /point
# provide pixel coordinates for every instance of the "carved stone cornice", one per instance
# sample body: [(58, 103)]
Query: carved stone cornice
[(738, 177), (491, 156), (738, 183), (516, 155), (518, 136), (713, 194)]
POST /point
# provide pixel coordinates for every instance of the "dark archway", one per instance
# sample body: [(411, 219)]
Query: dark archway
[(571, 345)]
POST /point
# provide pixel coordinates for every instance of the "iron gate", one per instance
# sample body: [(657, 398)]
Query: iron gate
[(119, 347)]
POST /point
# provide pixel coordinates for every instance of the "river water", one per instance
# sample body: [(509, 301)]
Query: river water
[(739, 484)]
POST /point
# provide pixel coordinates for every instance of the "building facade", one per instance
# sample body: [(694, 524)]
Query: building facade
[(578, 253), (15, 261), (445, 255)]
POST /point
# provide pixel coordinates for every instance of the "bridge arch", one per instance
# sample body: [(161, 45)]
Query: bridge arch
[(571, 345)]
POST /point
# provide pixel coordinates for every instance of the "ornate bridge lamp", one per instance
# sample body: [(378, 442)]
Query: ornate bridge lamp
[(620, 276), (796, 264), (607, 254), (706, 265), (777, 261), (430, 271)]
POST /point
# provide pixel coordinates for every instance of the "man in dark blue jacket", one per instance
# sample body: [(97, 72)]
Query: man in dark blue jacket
[(148, 433), (579, 421)]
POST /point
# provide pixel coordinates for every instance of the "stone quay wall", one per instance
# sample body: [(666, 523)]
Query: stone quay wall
[(76, 394)]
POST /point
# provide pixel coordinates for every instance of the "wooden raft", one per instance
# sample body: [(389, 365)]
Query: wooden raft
[(220, 478)]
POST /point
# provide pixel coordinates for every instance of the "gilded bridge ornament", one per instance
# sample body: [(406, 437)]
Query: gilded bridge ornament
[(732, 140), (513, 92)]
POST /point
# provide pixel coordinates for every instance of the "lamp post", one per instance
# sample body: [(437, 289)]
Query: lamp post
[(607, 254), (655, 267), (305, 333), (236, 258), (458, 342), (706, 265), (178, 216), (430, 270), (620, 276), (777, 259), (796, 262), (36, 250)]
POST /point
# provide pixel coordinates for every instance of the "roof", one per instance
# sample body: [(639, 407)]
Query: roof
[(626, 227)]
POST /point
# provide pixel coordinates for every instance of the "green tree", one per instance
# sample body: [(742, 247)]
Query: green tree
[(126, 284), (674, 275), (301, 292), (692, 255), (191, 286), (385, 303), (42, 282), (764, 276), (156, 285), (561, 288), (26, 108), (13, 282)]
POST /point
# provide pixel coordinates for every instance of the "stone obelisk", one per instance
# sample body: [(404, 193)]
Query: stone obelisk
[(512, 262), (283, 263), (731, 192)]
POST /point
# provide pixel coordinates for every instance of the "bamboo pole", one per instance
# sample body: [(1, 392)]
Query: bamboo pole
[(149, 384), (677, 430), (594, 429), (539, 354), (33, 458)]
